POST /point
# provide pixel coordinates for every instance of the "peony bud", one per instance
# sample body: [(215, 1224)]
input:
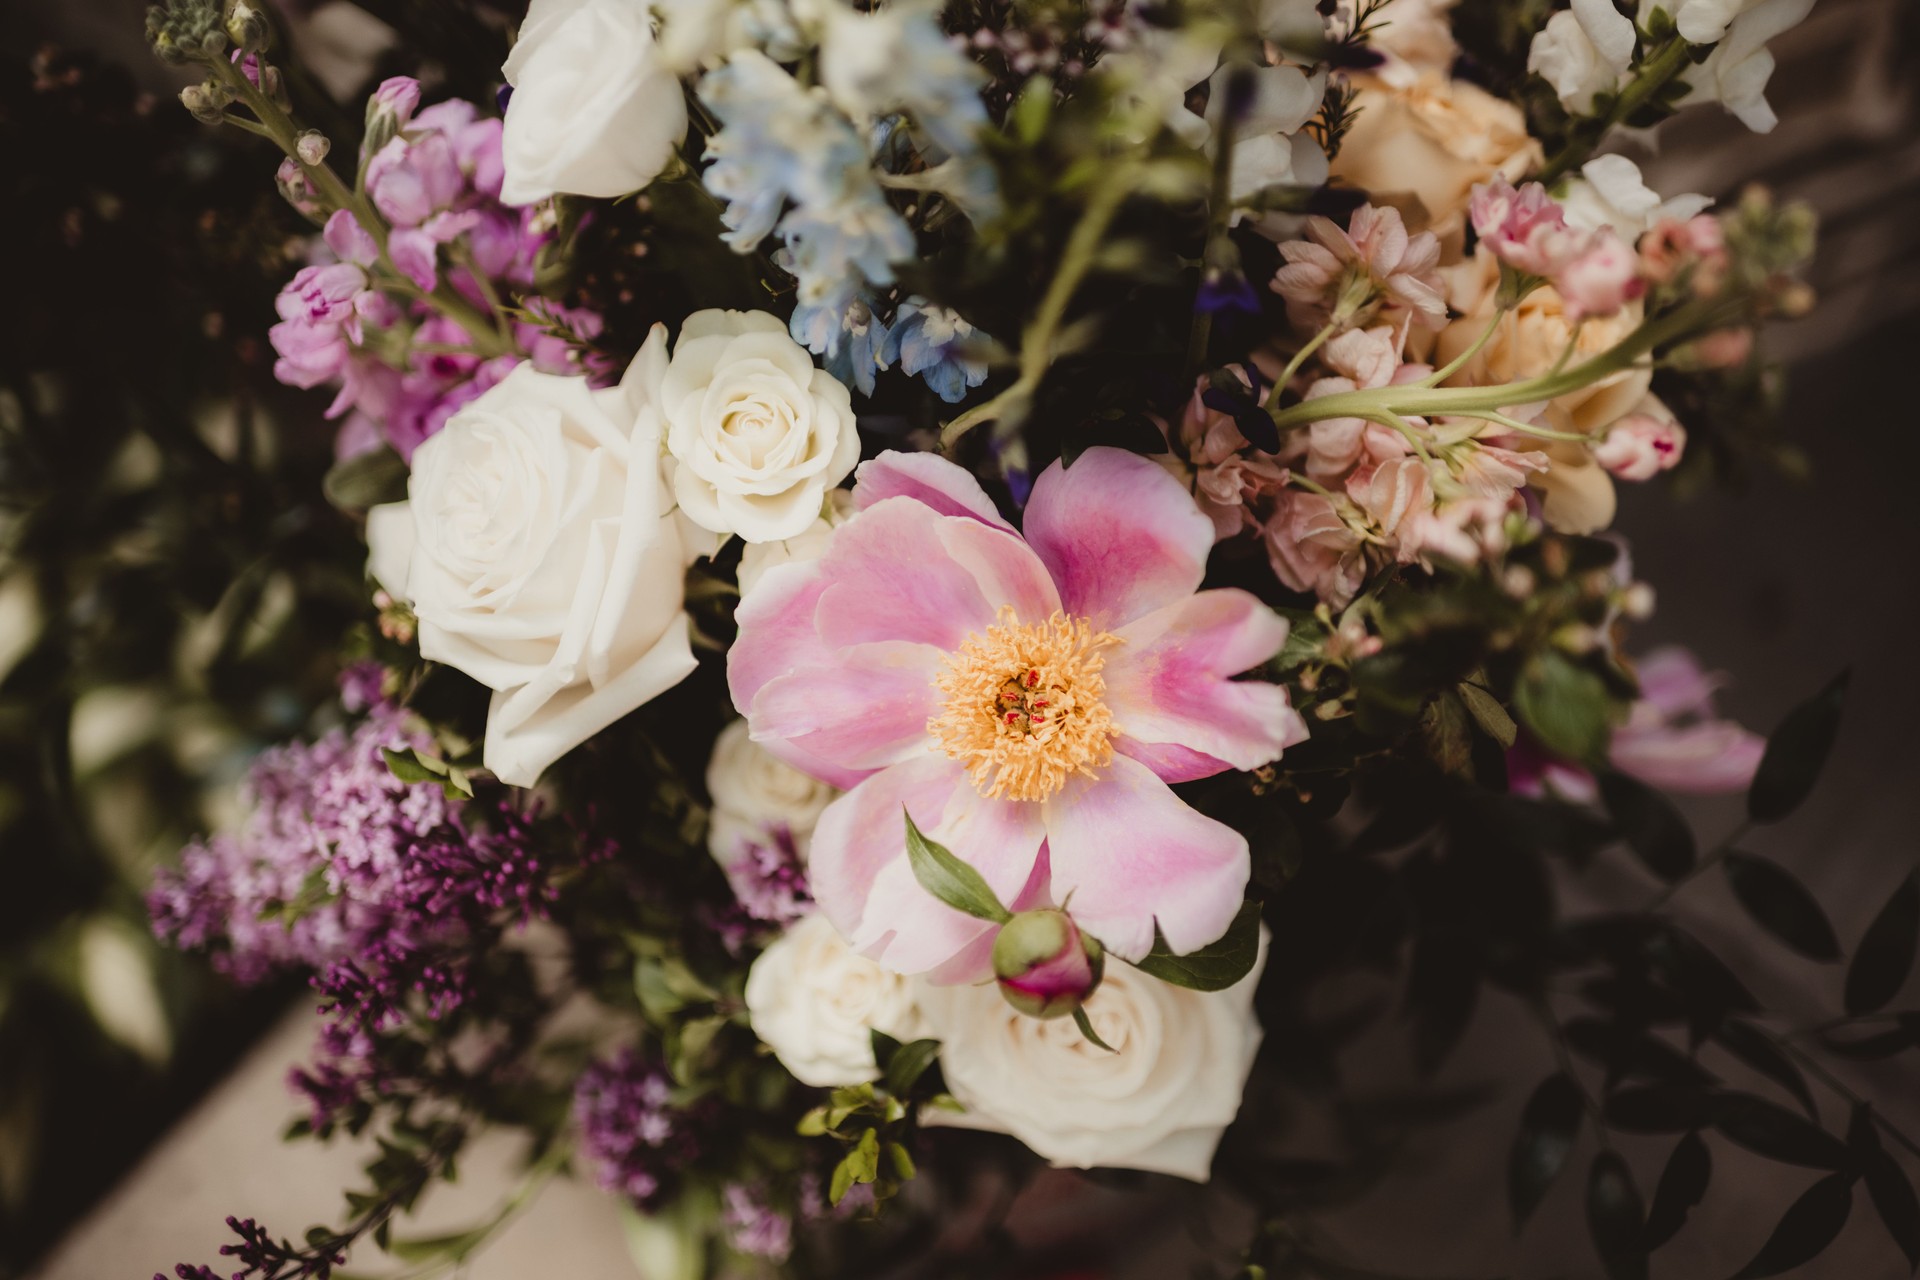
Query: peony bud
[(1046, 967)]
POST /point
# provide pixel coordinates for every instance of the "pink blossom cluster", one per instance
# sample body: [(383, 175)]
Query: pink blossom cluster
[(401, 366), (1372, 263), (1595, 272), (1347, 495)]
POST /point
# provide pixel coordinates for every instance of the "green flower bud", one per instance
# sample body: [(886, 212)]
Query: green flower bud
[(1046, 967)]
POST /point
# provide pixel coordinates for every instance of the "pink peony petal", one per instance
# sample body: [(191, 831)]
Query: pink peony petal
[(948, 488), (859, 870), (864, 709), (1121, 536), (1708, 758), (1131, 853), (891, 577), (1004, 567), (1174, 703), (778, 638)]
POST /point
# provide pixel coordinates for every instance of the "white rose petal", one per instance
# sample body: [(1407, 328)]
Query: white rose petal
[(538, 552), (758, 434), (815, 1003), (1161, 1102), (595, 111), (809, 544), (755, 792)]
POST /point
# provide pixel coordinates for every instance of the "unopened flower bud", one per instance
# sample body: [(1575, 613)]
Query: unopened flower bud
[(388, 111), (1046, 967), (296, 190), (247, 27), (312, 146), (205, 102)]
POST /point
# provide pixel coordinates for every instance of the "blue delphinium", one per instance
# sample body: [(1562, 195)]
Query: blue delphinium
[(932, 342)]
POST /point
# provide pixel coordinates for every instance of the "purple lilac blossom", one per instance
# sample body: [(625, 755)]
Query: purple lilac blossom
[(631, 1132), (754, 1227), (769, 879)]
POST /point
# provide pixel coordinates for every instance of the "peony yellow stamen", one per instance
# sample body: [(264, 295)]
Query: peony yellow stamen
[(1025, 706)]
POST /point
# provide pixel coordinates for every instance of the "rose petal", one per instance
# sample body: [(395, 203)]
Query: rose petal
[(1121, 536), (1169, 687), (1131, 853)]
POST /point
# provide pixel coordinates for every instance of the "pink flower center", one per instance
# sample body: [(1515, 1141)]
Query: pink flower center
[(1025, 706)]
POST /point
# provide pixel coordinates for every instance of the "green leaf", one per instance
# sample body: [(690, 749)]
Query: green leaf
[(1214, 967), (1683, 1185), (411, 766), (1614, 1218), (1808, 1227), (366, 480), (1887, 1185), (908, 1064), (1796, 753), (1566, 706), (1082, 1021), (1548, 1127), (1781, 905), (902, 1161), (949, 879), (1650, 824), (1769, 1129), (1488, 713), (1885, 955)]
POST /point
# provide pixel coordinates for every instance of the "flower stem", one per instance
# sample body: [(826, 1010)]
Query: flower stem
[(1459, 362), (1650, 79), (1299, 358)]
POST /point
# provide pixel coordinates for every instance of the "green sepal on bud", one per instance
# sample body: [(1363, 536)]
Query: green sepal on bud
[(182, 31), (1046, 967), (247, 27)]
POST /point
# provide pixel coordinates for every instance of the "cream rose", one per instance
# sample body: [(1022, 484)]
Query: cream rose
[(595, 110), (538, 551), (1422, 146), (815, 1003), (1160, 1102), (1530, 341), (753, 793), (758, 435)]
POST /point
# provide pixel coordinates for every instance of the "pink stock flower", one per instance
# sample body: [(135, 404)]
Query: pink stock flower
[(1027, 699), (1601, 276), (1343, 273), (1313, 548), (1525, 228), (1641, 446)]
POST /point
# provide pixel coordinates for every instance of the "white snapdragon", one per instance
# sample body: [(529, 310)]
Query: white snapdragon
[(540, 554), (757, 433), (1583, 51), (1269, 147), (1160, 1102), (816, 1003), (595, 110), (1611, 193), (1735, 74)]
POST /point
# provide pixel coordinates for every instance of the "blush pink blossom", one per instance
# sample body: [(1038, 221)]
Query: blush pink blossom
[(1314, 549), (1525, 228), (1641, 446), (1336, 272), (1599, 278), (1027, 699)]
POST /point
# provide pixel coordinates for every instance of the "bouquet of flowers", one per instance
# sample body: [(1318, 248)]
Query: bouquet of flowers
[(960, 589)]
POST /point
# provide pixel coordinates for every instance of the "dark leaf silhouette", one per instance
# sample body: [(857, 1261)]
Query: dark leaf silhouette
[(1747, 1043), (1655, 1108), (1443, 985), (1887, 1185), (1614, 1218), (1769, 1129), (1808, 1227), (1683, 1185), (1548, 1127), (1885, 955), (1650, 824), (1796, 753), (1781, 905)]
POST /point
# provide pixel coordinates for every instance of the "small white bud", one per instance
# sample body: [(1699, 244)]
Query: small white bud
[(312, 147)]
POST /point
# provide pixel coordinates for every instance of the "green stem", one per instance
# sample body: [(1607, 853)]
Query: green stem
[(1299, 358), (1652, 77), (1526, 428), (1459, 362), (1036, 344), (1219, 213), (1815, 1068)]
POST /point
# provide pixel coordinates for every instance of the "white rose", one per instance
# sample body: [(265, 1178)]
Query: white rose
[(1160, 1102), (754, 792), (1735, 74), (1583, 51), (758, 435), (1611, 193), (594, 111), (815, 1002), (538, 551), (809, 544)]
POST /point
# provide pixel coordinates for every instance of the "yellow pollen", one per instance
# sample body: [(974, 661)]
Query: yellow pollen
[(1025, 706)]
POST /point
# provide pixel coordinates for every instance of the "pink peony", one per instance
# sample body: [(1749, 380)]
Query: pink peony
[(1027, 699)]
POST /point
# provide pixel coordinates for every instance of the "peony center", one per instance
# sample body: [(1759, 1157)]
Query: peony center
[(1026, 706)]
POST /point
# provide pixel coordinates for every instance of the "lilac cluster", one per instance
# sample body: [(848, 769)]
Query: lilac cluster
[(753, 1226), (261, 1256), (769, 878), (401, 366), (637, 1139)]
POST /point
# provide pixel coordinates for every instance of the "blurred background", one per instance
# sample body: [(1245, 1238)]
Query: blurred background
[(172, 596)]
